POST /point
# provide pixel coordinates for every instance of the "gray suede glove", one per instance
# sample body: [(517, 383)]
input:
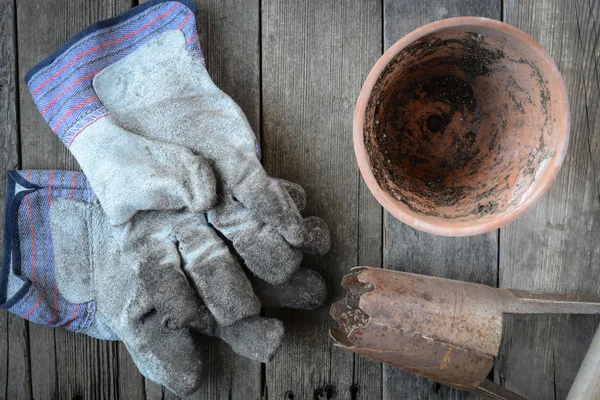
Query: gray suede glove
[(163, 92), (128, 172), (177, 255), (157, 244), (132, 100), (64, 268), (89, 268)]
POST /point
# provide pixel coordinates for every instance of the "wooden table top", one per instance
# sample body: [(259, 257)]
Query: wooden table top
[(296, 68)]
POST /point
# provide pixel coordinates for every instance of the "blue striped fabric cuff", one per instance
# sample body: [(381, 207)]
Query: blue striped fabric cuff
[(61, 85), (28, 286)]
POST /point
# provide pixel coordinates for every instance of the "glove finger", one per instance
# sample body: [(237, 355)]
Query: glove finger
[(214, 272), (264, 251), (148, 249), (270, 203), (166, 176), (205, 323), (167, 357), (162, 278), (257, 338), (296, 192), (305, 290), (317, 240)]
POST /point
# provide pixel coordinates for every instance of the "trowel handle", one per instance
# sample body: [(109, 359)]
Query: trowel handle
[(587, 382), (488, 390), (529, 302)]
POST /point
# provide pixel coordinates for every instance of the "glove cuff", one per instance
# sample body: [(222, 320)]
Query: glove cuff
[(61, 85), (28, 286)]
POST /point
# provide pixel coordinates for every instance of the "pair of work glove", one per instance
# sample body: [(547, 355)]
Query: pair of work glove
[(182, 203), (64, 267)]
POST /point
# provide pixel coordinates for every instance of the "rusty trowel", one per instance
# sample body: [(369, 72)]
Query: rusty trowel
[(445, 330)]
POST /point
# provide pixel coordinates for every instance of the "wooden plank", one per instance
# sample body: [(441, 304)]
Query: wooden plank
[(368, 374), (369, 384), (63, 364), (315, 58), (9, 139), (87, 368), (15, 377), (554, 246), (19, 375), (4, 343), (229, 37), (131, 382), (472, 259), (227, 375), (230, 41), (153, 390)]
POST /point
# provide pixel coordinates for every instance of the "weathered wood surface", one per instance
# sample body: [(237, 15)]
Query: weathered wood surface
[(62, 364), (315, 56), (296, 69), (554, 246), (473, 259), (230, 40), (14, 363)]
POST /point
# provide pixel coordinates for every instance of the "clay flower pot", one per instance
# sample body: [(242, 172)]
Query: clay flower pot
[(461, 126)]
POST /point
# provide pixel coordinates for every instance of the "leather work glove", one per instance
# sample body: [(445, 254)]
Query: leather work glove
[(61, 270), (148, 135), (163, 244), (128, 172)]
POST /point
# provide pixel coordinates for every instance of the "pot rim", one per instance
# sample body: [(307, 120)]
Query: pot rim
[(443, 226)]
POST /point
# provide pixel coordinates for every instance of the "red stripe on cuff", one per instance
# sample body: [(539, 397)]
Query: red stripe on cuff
[(50, 187), (28, 313), (73, 181), (191, 38), (185, 20), (67, 88), (72, 110), (72, 316)]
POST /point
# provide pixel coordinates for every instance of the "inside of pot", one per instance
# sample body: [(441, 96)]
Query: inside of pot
[(462, 122)]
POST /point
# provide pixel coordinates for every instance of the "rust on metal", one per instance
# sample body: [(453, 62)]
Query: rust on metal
[(445, 330)]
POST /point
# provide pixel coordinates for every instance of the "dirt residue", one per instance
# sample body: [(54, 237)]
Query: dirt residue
[(473, 58), (431, 156), (434, 165)]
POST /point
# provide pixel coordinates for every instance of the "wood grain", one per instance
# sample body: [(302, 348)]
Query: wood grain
[(370, 253), (554, 247), (130, 381), (472, 259), (299, 96), (315, 56), (230, 41), (15, 376), (18, 380), (63, 365), (229, 37)]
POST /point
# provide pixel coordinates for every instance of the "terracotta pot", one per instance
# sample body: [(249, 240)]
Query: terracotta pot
[(461, 126)]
